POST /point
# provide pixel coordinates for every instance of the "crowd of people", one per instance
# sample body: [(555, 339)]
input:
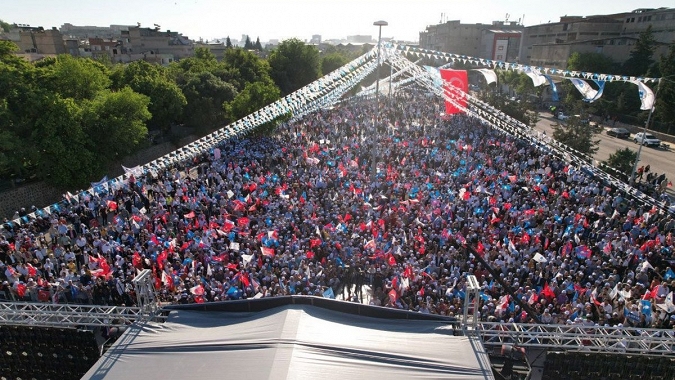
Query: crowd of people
[(338, 203)]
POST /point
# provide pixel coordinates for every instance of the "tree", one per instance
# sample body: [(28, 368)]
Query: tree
[(205, 94), (665, 102), (166, 98), (228, 43), (577, 135), (622, 160), (248, 45), (247, 67), (258, 45), (590, 62), (115, 122), (255, 95), (640, 59), (77, 78), (5, 26), (332, 61), (67, 157), (294, 65)]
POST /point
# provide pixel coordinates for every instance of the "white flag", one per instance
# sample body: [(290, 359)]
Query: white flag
[(537, 79), (584, 88), (538, 257), (614, 291), (646, 96), (247, 259), (490, 75)]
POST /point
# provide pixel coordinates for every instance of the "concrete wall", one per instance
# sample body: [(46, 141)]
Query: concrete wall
[(41, 194)]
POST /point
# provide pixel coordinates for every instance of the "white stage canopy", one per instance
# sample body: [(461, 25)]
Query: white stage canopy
[(291, 342)]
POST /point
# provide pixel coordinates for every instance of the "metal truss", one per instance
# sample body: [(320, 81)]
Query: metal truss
[(579, 338), (563, 337), (54, 315)]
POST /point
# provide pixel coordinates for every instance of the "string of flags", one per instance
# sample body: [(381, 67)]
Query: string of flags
[(519, 67), (323, 92), (329, 89), (506, 124)]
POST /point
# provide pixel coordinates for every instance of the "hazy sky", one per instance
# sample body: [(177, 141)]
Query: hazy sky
[(280, 19)]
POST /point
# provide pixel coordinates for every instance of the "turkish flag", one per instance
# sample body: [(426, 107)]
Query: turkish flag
[(460, 81)]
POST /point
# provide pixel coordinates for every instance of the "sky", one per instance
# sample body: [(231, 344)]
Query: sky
[(282, 19)]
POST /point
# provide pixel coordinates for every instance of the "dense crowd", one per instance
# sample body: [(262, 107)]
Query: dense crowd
[(331, 206)]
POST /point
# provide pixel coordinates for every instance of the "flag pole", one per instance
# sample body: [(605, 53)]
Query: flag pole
[(644, 131)]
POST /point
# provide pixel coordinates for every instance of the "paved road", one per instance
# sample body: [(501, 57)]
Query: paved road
[(660, 161)]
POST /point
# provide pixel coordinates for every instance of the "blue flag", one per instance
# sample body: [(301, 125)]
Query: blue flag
[(328, 293), (669, 274)]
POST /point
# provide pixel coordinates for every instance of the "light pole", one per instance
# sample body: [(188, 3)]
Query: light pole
[(644, 131), (379, 24)]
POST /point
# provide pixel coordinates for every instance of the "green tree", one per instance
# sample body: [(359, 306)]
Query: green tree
[(228, 43), (255, 95), (640, 60), (5, 26), (665, 102), (115, 122), (166, 98), (246, 67), (622, 160), (206, 94), (258, 45), (590, 62), (332, 61), (67, 158), (19, 108), (77, 78), (248, 45), (577, 135), (294, 65)]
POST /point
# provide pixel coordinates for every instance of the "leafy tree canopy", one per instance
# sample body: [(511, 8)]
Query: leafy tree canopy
[(641, 56), (577, 135), (332, 61), (246, 67), (254, 96), (294, 65), (622, 160), (77, 78)]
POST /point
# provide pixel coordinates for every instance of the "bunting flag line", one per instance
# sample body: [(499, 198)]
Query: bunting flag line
[(589, 93), (647, 97), (554, 88), (490, 75)]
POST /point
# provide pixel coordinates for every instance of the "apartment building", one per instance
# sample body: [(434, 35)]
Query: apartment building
[(612, 35), (499, 40)]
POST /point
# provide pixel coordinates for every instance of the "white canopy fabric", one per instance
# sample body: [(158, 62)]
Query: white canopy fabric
[(291, 342)]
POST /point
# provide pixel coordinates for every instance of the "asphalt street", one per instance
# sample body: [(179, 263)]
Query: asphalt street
[(660, 160)]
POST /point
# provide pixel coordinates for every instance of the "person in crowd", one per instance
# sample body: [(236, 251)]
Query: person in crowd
[(329, 207)]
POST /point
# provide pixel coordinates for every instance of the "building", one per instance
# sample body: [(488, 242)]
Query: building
[(316, 39), (84, 32), (41, 41), (156, 45), (217, 48), (613, 35), (360, 39), (490, 41)]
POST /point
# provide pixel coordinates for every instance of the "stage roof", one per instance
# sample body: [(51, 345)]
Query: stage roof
[(291, 342)]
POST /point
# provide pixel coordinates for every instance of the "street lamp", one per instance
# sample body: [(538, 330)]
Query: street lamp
[(379, 24)]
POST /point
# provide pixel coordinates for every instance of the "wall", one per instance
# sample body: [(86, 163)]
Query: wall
[(41, 194)]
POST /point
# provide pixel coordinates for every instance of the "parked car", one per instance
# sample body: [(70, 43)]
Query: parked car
[(562, 116), (621, 133), (646, 139)]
